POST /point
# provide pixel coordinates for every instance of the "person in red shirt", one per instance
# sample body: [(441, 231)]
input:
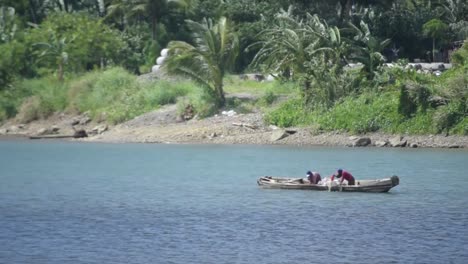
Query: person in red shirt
[(344, 175)]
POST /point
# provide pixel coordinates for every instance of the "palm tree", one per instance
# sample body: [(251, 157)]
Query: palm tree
[(435, 29), (214, 50)]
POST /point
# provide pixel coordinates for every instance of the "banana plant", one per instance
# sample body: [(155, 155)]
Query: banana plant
[(309, 48), (55, 52), (366, 49)]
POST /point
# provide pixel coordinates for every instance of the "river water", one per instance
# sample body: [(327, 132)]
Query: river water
[(64, 202)]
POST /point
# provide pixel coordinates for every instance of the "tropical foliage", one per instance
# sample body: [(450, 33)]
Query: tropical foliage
[(307, 50), (333, 51), (89, 45), (55, 49), (213, 52), (312, 52), (435, 29), (367, 49), (125, 12)]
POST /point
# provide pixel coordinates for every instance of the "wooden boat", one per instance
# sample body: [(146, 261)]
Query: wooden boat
[(378, 185)]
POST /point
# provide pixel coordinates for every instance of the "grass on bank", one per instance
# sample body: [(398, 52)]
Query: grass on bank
[(115, 96), (412, 103), (234, 84), (33, 99), (369, 112)]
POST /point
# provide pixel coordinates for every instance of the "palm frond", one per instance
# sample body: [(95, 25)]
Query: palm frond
[(214, 49)]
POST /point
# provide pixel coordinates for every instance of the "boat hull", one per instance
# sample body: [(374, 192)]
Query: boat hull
[(376, 186)]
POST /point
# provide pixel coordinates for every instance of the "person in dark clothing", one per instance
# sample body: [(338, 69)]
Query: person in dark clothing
[(313, 177)]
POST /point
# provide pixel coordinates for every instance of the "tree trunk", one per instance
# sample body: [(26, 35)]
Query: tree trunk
[(345, 7), (221, 96), (32, 9), (60, 71), (433, 49), (101, 8), (307, 85), (156, 10), (66, 6), (222, 100), (153, 26)]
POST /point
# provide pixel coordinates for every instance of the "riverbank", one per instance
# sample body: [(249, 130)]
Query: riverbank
[(164, 126)]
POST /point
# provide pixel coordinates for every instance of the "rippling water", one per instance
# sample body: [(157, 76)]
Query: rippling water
[(137, 203)]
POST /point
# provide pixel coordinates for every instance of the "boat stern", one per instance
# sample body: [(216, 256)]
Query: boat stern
[(395, 180)]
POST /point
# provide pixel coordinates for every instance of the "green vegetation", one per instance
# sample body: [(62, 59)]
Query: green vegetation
[(435, 29), (429, 106), (113, 95), (302, 50), (234, 84), (82, 56), (207, 61)]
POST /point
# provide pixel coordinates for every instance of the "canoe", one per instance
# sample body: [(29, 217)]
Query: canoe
[(378, 185)]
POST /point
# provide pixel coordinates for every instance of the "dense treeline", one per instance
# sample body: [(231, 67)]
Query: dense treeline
[(309, 43), (135, 31)]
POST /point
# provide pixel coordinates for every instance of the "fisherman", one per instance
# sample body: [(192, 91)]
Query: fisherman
[(344, 175), (313, 177)]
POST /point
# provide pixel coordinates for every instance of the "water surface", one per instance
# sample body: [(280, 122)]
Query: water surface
[(66, 202)]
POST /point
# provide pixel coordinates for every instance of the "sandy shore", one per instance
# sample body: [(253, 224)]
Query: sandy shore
[(163, 126)]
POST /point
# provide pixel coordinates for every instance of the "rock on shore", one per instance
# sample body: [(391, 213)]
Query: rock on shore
[(164, 126)]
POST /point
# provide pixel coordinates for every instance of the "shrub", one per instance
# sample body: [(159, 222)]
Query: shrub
[(43, 96), (268, 98), (367, 113), (89, 42), (455, 89), (121, 96), (413, 96), (461, 128), (447, 116), (202, 100), (12, 61), (460, 57), (29, 110), (8, 105), (421, 123), (3, 115), (289, 113), (237, 85), (162, 92), (97, 92)]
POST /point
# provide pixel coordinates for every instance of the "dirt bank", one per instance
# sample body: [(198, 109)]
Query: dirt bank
[(164, 126)]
